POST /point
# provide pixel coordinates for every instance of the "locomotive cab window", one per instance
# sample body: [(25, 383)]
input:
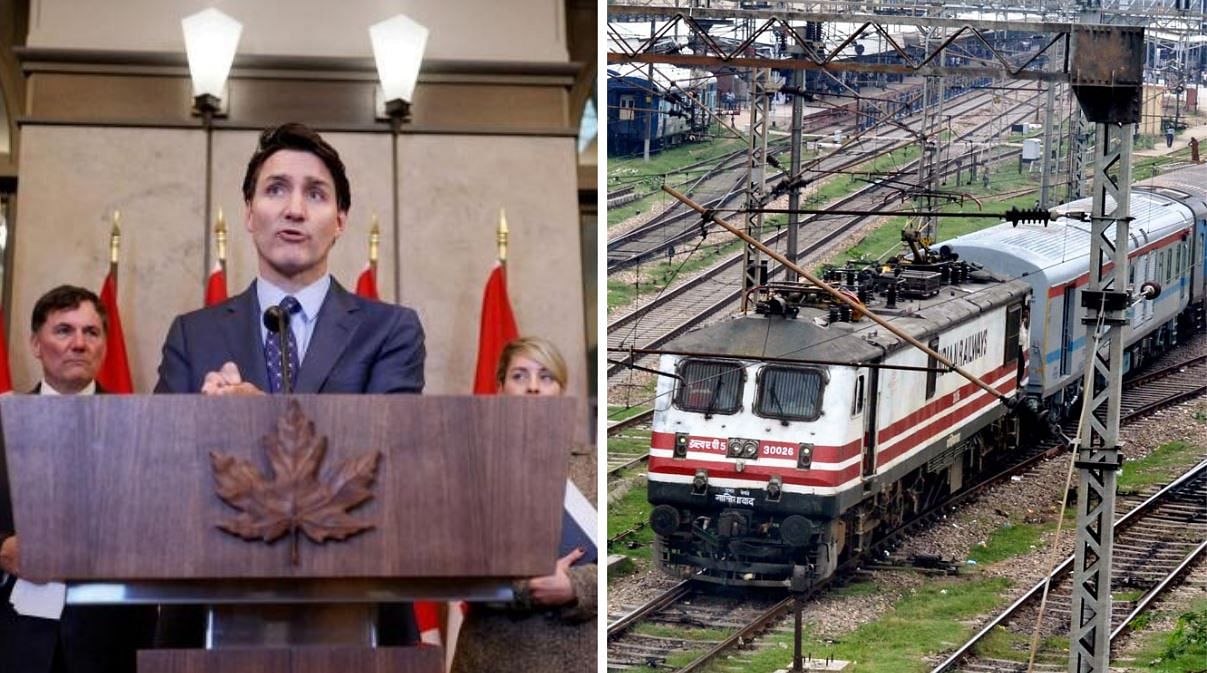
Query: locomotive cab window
[(1014, 318), (790, 393), (857, 403), (710, 386), (932, 373)]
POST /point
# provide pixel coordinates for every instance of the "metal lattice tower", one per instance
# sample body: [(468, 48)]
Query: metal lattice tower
[(1106, 300), (931, 135), (756, 172)]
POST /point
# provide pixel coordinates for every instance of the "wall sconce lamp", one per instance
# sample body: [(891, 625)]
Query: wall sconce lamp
[(398, 45), (210, 41)]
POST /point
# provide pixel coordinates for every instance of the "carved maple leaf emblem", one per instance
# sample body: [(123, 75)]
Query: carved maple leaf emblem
[(292, 497)]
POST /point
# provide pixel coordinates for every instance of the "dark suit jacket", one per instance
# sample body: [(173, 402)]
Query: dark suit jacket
[(358, 346), (87, 639)]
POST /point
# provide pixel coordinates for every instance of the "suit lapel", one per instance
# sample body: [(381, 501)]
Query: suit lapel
[(336, 323), (241, 332)]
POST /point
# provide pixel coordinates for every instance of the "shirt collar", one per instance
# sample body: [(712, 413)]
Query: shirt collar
[(310, 297), (47, 389)]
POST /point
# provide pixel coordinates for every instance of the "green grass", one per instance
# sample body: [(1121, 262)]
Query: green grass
[(665, 166), (1006, 542), (678, 660), (636, 444), (1184, 649), (1004, 644), (1158, 467), (929, 620), (626, 514), (619, 413), (622, 170), (654, 278), (666, 631)]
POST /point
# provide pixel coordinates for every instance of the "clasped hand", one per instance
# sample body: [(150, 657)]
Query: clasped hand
[(227, 381), (555, 590)]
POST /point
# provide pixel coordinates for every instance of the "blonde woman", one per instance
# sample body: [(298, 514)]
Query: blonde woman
[(550, 625)]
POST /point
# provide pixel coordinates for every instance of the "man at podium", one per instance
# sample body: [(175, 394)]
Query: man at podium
[(38, 633), (297, 197), (295, 329)]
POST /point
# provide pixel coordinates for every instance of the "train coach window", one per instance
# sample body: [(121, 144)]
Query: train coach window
[(790, 393), (626, 108), (710, 386)]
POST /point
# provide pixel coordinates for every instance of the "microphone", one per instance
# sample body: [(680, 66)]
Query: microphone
[(277, 322)]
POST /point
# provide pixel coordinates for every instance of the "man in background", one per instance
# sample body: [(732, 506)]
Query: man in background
[(38, 633)]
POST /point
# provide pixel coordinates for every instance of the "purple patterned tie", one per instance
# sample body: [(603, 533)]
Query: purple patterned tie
[(272, 350)]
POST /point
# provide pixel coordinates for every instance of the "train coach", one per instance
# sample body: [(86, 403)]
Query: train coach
[(1165, 248), (660, 108)]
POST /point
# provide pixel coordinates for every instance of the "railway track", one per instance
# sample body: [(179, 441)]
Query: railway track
[(1175, 380), (1155, 542), (716, 289)]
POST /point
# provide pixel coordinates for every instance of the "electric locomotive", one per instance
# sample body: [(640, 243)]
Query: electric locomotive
[(786, 438)]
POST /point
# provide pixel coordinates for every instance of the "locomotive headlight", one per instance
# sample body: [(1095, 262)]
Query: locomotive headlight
[(804, 456), (775, 488), (738, 447), (680, 445), (700, 483)]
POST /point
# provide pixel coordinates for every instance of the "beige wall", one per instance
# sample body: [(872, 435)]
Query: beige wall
[(452, 189), (71, 181), (106, 133), (514, 30)]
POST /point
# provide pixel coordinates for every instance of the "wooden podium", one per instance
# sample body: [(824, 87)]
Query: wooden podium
[(119, 496)]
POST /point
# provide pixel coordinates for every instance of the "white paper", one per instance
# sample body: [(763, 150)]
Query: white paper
[(39, 600), (581, 510)]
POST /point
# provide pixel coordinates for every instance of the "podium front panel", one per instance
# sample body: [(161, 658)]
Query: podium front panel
[(123, 487)]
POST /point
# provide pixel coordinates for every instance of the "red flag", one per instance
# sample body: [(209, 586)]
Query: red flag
[(497, 328), (366, 284), (6, 378), (114, 375), (215, 286)]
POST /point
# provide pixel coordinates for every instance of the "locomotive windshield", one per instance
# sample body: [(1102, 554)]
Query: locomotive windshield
[(790, 393), (709, 386)]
